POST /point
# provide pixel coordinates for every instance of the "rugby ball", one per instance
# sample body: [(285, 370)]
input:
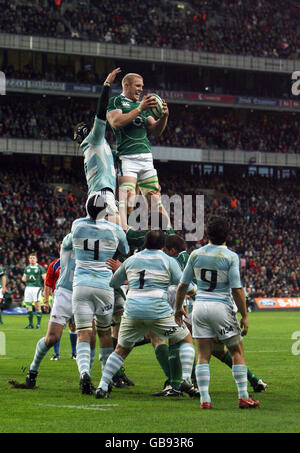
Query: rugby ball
[(158, 110)]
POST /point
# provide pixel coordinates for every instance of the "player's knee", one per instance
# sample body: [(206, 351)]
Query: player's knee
[(127, 189), (52, 338), (234, 343)]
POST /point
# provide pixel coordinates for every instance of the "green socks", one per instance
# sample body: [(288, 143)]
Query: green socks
[(175, 366), (30, 317), (162, 356), (39, 317)]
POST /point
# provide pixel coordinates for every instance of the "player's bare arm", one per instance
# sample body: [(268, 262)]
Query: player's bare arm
[(47, 292), (180, 295), (24, 278), (239, 298), (117, 119), (156, 127), (112, 75), (3, 284)]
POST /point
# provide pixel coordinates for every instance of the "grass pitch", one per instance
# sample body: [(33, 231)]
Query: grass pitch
[(57, 405)]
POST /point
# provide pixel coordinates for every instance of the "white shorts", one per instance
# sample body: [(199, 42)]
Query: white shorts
[(1, 294), (139, 166), (110, 200), (132, 330), (61, 311), (214, 319), (32, 294), (89, 302)]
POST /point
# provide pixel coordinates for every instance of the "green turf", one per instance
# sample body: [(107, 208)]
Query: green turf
[(57, 406)]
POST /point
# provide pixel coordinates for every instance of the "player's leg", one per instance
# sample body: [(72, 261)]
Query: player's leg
[(224, 356), (60, 314), (204, 350), (83, 309), (120, 380), (239, 372), (1, 299), (28, 300), (224, 320), (38, 307), (162, 356), (130, 331), (127, 185), (53, 335), (180, 342), (72, 336)]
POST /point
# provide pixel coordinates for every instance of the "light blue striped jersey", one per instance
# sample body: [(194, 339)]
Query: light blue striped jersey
[(94, 242), (67, 264), (216, 269), (149, 273), (98, 159)]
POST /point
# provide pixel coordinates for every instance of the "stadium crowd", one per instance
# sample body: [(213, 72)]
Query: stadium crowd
[(250, 27), (264, 216), (52, 118)]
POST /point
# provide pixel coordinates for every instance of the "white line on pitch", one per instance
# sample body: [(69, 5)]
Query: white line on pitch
[(104, 407)]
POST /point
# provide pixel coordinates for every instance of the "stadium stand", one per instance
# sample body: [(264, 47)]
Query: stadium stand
[(264, 214), (229, 129), (259, 28)]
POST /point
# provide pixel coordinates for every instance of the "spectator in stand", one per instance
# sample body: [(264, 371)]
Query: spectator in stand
[(216, 128), (261, 28)]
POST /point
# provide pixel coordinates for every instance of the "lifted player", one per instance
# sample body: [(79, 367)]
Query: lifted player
[(131, 122)]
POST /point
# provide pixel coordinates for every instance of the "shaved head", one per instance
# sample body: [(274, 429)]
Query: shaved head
[(129, 78)]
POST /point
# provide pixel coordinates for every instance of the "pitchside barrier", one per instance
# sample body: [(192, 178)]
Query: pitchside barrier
[(278, 303)]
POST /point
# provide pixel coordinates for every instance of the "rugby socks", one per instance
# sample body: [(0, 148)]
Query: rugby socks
[(162, 356), (30, 317), (113, 364), (239, 373), (1, 317), (104, 354), (175, 366), (73, 341), (56, 347), (252, 378), (92, 358), (83, 357), (40, 352), (187, 356), (203, 378), (39, 317)]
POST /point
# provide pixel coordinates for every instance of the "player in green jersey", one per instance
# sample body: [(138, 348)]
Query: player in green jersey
[(132, 122), (2, 289), (33, 277)]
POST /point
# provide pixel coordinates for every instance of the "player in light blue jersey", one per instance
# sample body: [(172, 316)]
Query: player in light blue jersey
[(61, 312), (94, 241), (216, 269), (149, 273), (98, 158)]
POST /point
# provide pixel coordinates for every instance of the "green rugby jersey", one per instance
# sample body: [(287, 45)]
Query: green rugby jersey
[(34, 275), (182, 259), (131, 139), (135, 238)]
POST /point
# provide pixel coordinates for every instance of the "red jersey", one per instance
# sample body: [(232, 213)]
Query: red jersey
[(52, 274)]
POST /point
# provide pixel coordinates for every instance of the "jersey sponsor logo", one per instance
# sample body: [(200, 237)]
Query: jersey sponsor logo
[(126, 104), (169, 332), (226, 330), (107, 307), (138, 121)]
